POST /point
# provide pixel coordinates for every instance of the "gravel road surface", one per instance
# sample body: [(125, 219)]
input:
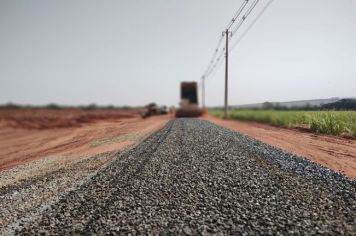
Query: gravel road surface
[(193, 177)]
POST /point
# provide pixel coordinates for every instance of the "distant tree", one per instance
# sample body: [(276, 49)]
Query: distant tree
[(267, 105), (343, 104), (52, 106), (126, 107), (110, 107), (11, 105), (91, 106)]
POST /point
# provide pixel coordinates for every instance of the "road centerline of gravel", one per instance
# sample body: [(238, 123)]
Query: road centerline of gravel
[(194, 177)]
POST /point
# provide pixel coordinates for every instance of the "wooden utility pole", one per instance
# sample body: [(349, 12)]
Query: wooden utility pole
[(226, 72), (203, 90)]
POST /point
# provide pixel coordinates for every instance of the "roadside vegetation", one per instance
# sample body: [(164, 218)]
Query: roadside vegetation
[(325, 122)]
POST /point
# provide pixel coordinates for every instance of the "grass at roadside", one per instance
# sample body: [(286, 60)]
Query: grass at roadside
[(325, 122)]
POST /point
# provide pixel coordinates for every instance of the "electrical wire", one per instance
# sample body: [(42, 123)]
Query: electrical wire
[(219, 59), (244, 17), (217, 66), (213, 67), (214, 55), (215, 63), (237, 14), (250, 26)]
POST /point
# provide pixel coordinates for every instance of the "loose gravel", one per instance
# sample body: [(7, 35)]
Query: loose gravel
[(26, 189), (193, 177)]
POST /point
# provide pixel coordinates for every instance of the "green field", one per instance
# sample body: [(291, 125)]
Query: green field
[(325, 122)]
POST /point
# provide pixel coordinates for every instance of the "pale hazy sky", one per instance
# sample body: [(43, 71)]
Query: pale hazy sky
[(136, 51)]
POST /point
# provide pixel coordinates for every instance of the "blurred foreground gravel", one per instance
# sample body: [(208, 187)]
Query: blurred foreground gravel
[(193, 177)]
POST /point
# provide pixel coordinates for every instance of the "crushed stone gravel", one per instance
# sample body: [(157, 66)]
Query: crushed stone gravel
[(193, 177)]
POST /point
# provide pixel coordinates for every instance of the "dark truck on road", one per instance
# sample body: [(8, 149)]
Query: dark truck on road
[(189, 106)]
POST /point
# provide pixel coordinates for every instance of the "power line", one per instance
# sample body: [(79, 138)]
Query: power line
[(214, 55), (215, 60), (251, 25), (212, 67), (237, 14), (227, 34), (216, 68), (244, 17)]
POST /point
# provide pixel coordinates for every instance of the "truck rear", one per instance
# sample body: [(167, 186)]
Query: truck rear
[(189, 106)]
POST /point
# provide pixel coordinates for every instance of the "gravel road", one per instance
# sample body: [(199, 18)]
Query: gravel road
[(193, 177)]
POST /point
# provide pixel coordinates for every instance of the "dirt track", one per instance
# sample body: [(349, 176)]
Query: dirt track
[(193, 177), (55, 134)]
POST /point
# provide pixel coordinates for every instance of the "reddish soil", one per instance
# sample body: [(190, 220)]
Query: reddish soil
[(47, 133), (333, 152), (32, 118)]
